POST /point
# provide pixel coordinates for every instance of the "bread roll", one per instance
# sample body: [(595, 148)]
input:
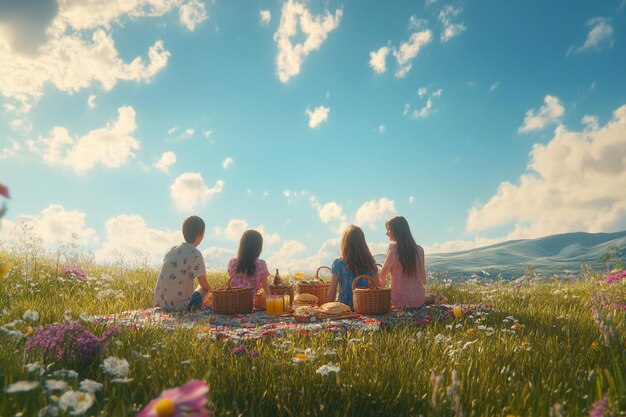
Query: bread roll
[(335, 308)]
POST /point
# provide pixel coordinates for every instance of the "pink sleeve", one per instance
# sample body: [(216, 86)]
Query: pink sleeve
[(261, 270), (232, 267)]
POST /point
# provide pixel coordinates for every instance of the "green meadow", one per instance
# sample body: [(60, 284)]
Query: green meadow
[(550, 347)]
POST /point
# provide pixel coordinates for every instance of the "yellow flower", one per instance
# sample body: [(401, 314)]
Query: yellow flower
[(29, 330), (516, 326), (458, 312), (302, 356), (4, 268), (595, 346), (471, 332), (526, 345), (165, 407)]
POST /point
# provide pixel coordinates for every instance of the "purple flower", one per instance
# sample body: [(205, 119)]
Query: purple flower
[(188, 400), (74, 271), (69, 341), (254, 354), (237, 350), (599, 406)]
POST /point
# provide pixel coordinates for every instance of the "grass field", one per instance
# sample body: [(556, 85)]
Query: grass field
[(550, 348)]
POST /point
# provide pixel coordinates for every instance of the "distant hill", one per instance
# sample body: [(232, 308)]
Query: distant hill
[(556, 254)]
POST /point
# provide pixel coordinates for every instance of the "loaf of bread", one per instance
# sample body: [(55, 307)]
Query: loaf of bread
[(304, 299), (334, 308)]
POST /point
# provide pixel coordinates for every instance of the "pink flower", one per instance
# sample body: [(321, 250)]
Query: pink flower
[(237, 350), (616, 277), (188, 400)]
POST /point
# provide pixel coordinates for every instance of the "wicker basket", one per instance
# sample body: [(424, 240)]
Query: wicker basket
[(233, 300), (318, 290), (372, 300)]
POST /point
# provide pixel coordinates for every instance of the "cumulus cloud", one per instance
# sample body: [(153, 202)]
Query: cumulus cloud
[(328, 212), (378, 60), (235, 228), (293, 196), (572, 184), (537, 119), (166, 160), (110, 146), (450, 29), (128, 237), (69, 44), (91, 101), (217, 258), (289, 256), (265, 16), (10, 151), (372, 212), (600, 34), (297, 21), (317, 116), (192, 13), (189, 192), (228, 162), (409, 50), (54, 225)]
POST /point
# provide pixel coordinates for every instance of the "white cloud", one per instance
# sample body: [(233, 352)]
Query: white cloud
[(378, 59), (266, 194), (547, 114), (408, 51), (217, 258), (110, 146), (381, 129), (572, 184), (71, 63), (54, 225), (265, 16), (228, 162), (189, 192), (165, 162), (317, 116), (328, 212), (207, 133), (186, 134), (494, 86), (91, 101), (235, 228), (21, 125), (290, 248), (295, 18), (293, 196), (24, 26), (192, 14), (450, 30), (427, 109), (128, 237), (11, 151), (371, 212), (411, 199), (601, 33)]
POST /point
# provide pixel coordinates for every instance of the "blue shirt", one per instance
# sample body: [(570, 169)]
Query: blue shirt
[(346, 277)]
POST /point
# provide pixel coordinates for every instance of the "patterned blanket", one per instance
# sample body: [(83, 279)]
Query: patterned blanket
[(258, 324)]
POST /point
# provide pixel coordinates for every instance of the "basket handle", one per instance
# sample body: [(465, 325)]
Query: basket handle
[(317, 273), (370, 281), (240, 276)]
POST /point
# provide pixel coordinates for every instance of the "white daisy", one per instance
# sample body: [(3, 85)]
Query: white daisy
[(56, 385), (30, 315), (88, 385), (328, 368), (22, 386), (76, 402), (115, 366)]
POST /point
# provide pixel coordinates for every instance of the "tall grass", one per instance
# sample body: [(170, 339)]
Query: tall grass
[(539, 353)]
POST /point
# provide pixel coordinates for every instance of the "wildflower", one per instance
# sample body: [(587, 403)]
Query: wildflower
[(87, 385), (30, 315), (616, 277), (526, 345), (110, 293), (330, 352), (471, 332), (66, 373), (595, 346), (516, 326), (75, 272), (237, 350), (29, 330), (458, 313), (35, 367), (121, 380), (301, 357), (22, 386), (56, 385), (49, 411), (76, 402), (4, 269), (115, 366), (254, 354), (597, 410), (186, 400), (328, 368)]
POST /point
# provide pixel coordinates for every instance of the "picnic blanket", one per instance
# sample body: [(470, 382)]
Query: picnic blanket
[(259, 324)]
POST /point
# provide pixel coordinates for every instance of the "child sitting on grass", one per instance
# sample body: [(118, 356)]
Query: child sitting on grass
[(356, 259), (248, 263), (181, 265)]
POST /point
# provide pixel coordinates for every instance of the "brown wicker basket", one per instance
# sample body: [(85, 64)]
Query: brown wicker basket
[(372, 300), (318, 290), (233, 300)]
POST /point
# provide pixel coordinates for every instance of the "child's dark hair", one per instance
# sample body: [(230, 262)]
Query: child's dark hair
[(193, 226), (355, 253), (407, 248), (250, 247)]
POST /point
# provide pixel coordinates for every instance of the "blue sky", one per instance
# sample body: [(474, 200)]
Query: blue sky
[(477, 121)]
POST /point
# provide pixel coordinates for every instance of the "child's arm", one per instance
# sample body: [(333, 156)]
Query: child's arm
[(204, 283), (266, 286), (382, 274), (376, 279), (332, 290), (422, 266)]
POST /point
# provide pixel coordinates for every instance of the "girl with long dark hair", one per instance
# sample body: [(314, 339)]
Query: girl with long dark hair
[(248, 263)]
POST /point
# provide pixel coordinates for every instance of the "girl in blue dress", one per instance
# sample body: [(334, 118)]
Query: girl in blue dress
[(356, 259)]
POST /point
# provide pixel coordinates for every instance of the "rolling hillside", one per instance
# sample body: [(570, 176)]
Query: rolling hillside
[(556, 254)]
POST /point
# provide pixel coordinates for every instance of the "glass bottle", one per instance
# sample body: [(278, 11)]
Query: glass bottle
[(277, 280)]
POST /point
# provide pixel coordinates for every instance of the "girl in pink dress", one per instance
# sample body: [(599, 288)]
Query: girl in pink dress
[(405, 263), (248, 263)]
